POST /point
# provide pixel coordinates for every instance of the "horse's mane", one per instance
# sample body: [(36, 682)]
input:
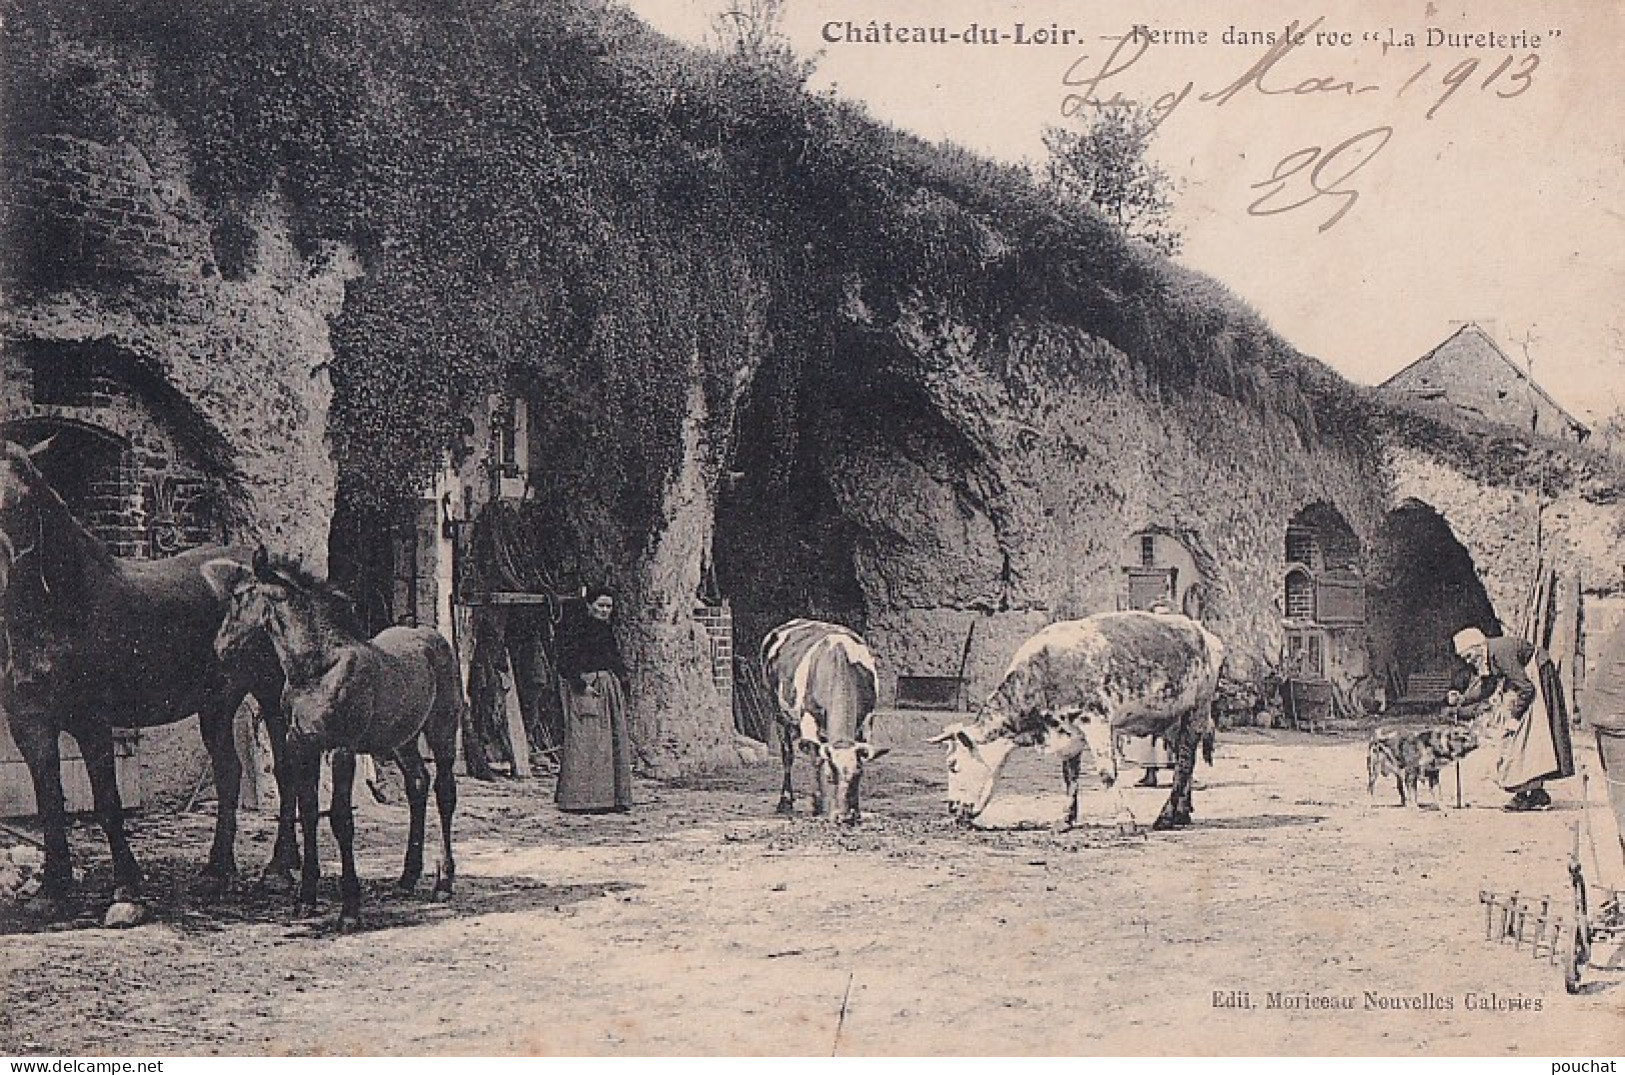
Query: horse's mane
[(334, 605), (61, 545)]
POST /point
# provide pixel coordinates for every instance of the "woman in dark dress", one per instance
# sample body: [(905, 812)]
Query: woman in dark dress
[(595, 764)]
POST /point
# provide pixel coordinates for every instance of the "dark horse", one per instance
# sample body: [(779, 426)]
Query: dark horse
[(89, 643), (351, 697)]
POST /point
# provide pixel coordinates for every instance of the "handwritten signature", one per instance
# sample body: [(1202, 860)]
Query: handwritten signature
[(1324, 179), (1312, 173)]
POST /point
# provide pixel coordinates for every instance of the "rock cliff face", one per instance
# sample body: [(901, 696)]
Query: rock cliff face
[(106, 247), (860, 377), (984, 485)]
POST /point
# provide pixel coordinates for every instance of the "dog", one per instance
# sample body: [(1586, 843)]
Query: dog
[(1411, 754)]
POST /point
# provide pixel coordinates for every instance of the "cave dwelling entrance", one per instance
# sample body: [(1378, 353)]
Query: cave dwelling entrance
[(1424, 588)]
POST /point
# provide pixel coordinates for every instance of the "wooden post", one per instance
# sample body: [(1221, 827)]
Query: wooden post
[(516, 726)]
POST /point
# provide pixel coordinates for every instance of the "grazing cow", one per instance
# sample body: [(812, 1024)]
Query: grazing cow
[(823, 677), (1077, 684), (1412, 754)]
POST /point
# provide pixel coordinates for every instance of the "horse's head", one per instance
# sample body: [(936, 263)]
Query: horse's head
[(20, 483), (248, 605), (302, 615)]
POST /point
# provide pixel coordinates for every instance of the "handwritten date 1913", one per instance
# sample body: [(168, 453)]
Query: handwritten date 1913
[(1308, 175)]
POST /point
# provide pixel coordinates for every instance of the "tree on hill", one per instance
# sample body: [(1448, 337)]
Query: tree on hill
[(753, 30), (1610, 431), (1105, 164)]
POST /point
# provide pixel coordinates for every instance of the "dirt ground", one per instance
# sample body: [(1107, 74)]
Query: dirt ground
[(704, 924)]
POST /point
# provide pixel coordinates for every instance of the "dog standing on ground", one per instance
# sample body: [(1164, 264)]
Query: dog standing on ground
[(1411, 754)]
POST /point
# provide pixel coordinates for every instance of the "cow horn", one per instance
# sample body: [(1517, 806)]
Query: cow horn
[(947, 733), (39, 449)]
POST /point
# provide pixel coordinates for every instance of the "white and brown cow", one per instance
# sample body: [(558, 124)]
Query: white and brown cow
[(823, 677), (1077, 684)]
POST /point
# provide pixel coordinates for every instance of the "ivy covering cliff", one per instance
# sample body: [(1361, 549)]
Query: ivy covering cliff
[(851, 372), (549, 190)]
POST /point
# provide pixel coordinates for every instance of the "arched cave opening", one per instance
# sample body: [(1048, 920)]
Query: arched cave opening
[(792, 537), (782, 547), (1424, 588)]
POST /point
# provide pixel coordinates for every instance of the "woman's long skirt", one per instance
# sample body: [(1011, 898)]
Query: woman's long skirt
[(1148, 751), (1539, 748), (595, 762)]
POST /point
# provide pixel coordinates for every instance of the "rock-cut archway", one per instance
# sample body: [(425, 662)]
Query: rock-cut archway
[(1424, 587)]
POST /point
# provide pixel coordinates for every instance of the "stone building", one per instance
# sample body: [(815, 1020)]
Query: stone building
[(1471, 374)]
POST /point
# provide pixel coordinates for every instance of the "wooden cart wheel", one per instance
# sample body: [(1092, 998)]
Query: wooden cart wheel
[(1577, 950), (1572, 961)]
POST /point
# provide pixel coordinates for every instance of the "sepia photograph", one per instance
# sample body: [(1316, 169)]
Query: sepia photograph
[(812, 528)]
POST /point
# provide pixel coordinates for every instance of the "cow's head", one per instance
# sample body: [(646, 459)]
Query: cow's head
[(840, 766), (973, 769)]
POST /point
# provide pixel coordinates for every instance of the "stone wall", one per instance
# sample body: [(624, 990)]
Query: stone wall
[(1029, 523), (215, 387), (1498, 526)]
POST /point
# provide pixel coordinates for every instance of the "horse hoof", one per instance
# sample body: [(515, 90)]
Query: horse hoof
[(406, 885), (349, 923), (305, 911), (277, 882), (786, 807), (1063, 825), (441, 894), (124, 914)]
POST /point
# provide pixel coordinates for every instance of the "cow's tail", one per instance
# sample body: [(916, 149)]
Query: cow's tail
[(1373, 765), (1209, 736)]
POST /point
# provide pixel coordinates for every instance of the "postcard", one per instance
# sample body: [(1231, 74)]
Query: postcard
[(851, 528)]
